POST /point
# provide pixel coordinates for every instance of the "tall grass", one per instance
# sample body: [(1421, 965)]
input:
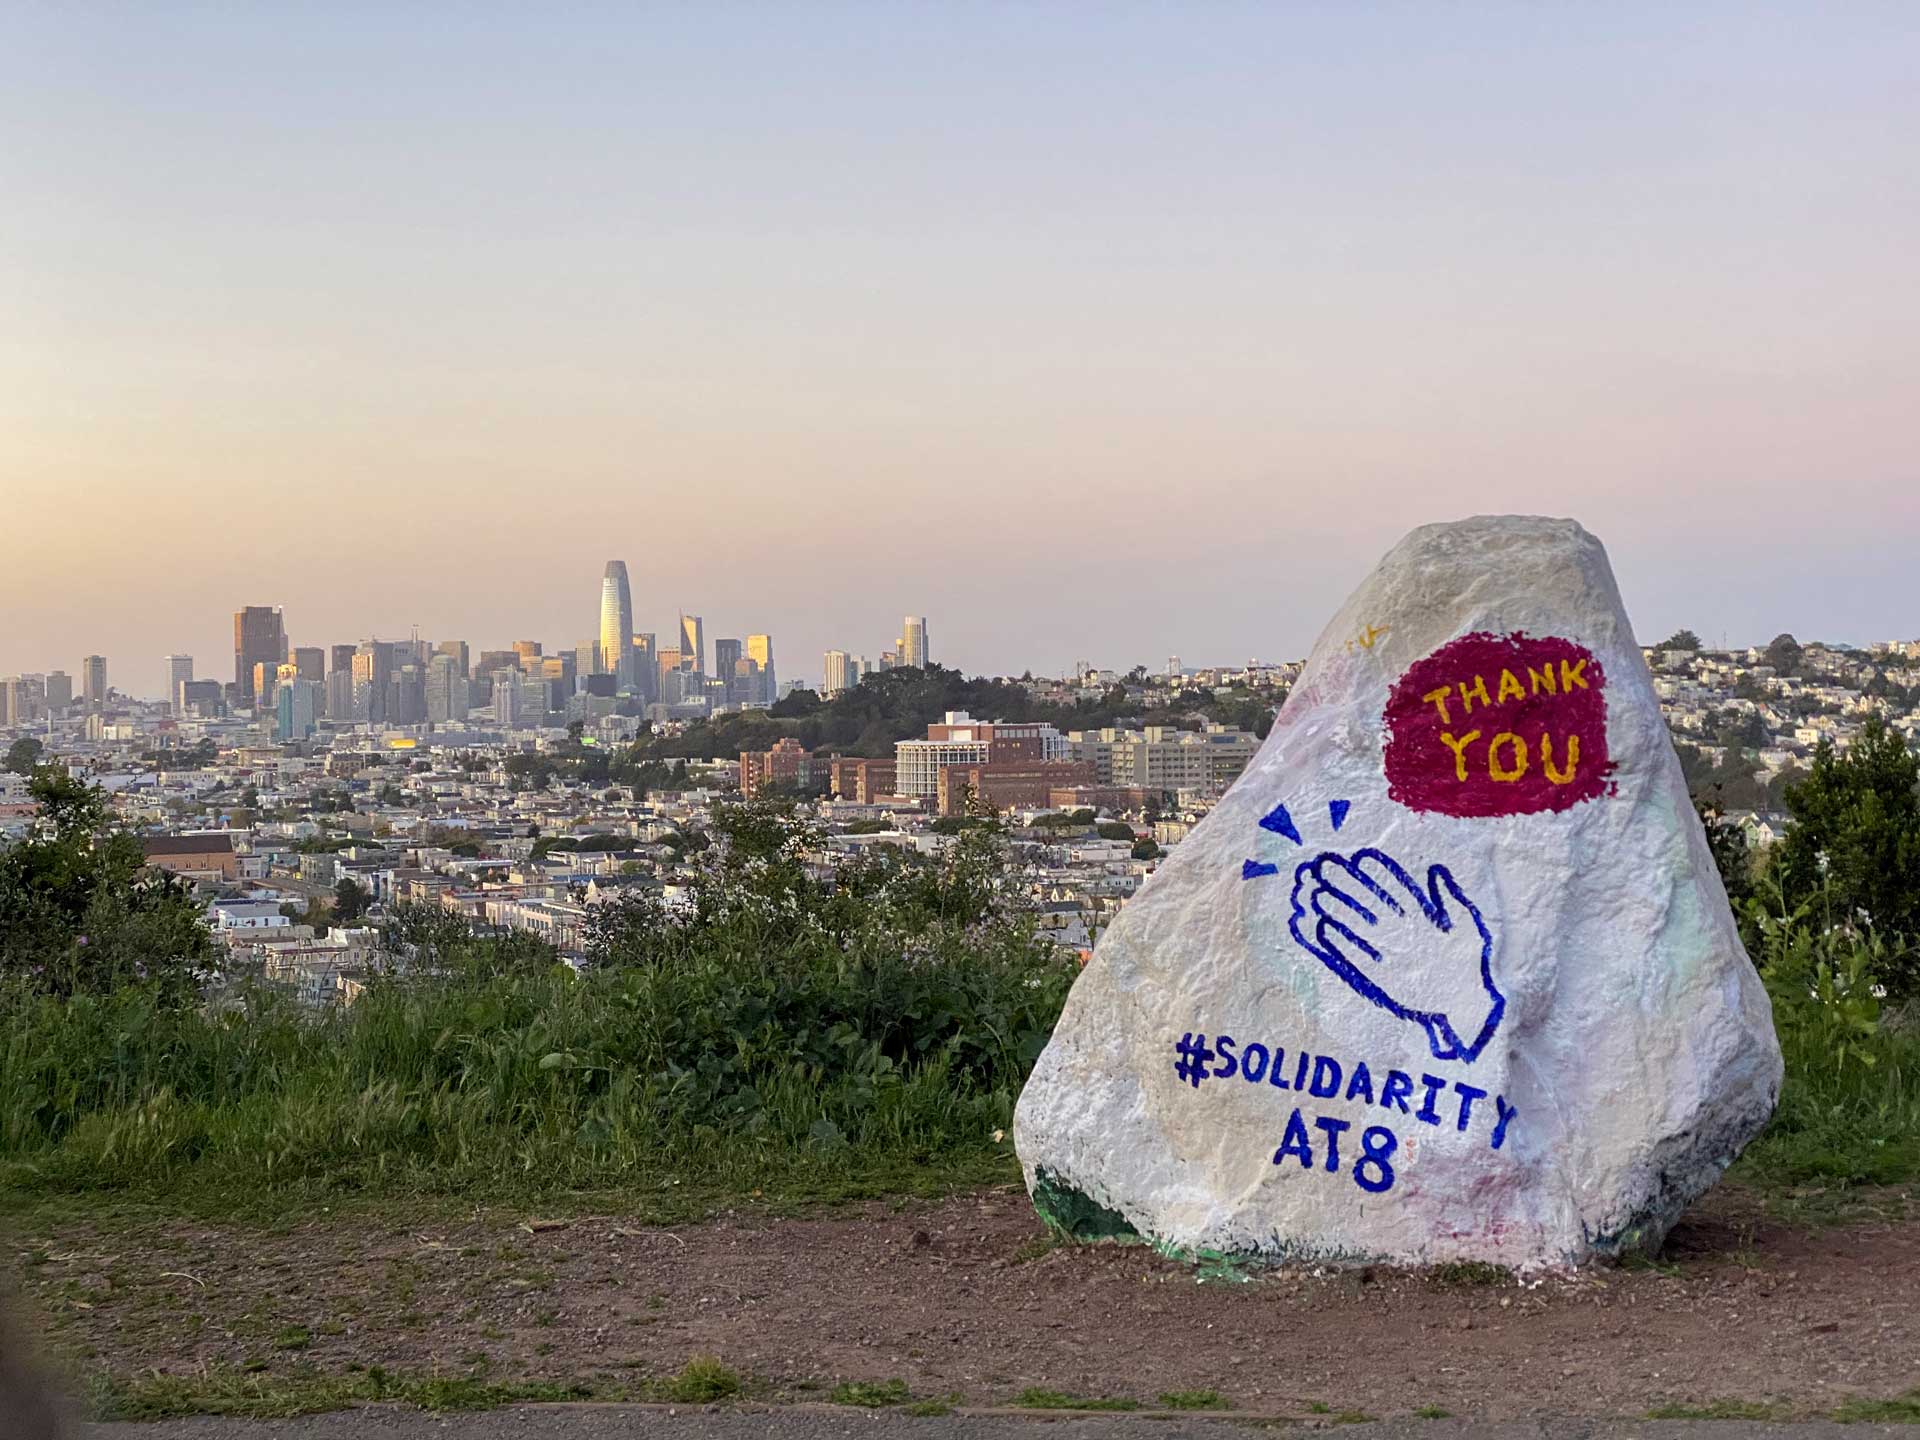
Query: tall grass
[(732, 1065), (1850, 1107)]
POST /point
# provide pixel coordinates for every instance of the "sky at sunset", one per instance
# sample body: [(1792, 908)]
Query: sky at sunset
[(1087, 330)]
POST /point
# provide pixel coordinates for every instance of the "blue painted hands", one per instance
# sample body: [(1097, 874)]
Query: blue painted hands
[(1420, 953)]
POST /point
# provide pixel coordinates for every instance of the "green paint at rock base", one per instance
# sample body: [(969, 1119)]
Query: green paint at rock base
[(1077, 1215)]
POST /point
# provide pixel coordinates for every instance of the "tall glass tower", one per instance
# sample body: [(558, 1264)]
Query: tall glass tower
[(616, 623)]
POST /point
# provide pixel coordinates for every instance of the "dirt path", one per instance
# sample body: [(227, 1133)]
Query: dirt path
[(963, 1297)]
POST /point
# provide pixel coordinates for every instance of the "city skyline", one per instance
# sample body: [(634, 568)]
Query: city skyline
[(474, 297)]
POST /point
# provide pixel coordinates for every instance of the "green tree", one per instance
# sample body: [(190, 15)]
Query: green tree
[(1856, 837), (24, 754), (80, 912), (1680, 640), (1783, 654), (349, 901)]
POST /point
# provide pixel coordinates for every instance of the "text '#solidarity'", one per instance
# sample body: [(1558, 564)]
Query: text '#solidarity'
[(1429, 1099)]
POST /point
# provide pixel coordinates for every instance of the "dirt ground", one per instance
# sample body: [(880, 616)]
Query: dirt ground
[(965, 1297)]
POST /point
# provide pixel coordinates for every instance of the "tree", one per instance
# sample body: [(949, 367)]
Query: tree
[(24, 754), (349, 901), (1145, 848), (80, 912), (1783, 654), (1680, 640), (1856, 837)]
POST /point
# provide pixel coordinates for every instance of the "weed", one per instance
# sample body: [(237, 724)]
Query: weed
[(1462, 1273), (1038, 1399), (1193, 1400), (294, 1337), (1902, 1410), (1319, 1407), (869, 1394), (1717, 1410), (1431, 1412), (701, 1381), (928, 1408)]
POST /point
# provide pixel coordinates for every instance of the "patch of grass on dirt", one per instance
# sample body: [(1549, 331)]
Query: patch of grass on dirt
[(869, 1394), (1193, 1400), (701, 1381), (294, 1337), (1718, 1410), (1432, 1412), (1463, 1273), (928, 1408), (1902, 1410), (219, 1390), (1039, 1399)]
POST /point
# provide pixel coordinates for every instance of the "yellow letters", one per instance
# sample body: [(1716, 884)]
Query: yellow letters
[(1508, 683), (1438, 699), (1459, 748), (1495, 768), (1559, 777), (1570, 675), (1542, 679), (1479, 687)]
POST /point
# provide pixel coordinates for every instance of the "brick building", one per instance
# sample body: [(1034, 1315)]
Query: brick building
[(862, 780), (788, 762), (193, 857), (1007, 784)]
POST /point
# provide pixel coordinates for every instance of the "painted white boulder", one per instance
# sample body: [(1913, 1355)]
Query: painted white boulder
[(1448, 974)]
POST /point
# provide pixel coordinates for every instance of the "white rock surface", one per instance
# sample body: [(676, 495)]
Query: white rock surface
[(1588, 1057)]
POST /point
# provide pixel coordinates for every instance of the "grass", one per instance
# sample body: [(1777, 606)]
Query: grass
[(1193, 1400), (1468, 1273), (220, 1390), (1718, 1410), (869, 1394), (701, 1381), (1038, 1399), (1902, 1410), (1432, 1412), (926, 1409)]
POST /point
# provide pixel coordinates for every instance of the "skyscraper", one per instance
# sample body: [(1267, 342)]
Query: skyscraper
[(458, 650), (258, 637), (310, 661), (726, 660), (838, 675), (693, 644), (447, 697), (760, 651), (179, 672), (93, 681), (616, 623), (59, 690), (646, 666), (913, 642)]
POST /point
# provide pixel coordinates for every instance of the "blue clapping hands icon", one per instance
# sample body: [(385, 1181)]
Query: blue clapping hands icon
[(1420, 952)]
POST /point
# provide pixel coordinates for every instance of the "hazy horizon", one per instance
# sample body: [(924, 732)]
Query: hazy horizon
[(1104, 333)]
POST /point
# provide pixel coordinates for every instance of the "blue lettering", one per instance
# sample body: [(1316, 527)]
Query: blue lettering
[(1326, 1072), (1279, 1054), (1295, 1143), (1332, 1129), (1507, 1112), (1300, 1072), (1228, 1066), (1377, 1144), (1426, 1111), (1395, 1092), (1468, 1094), (1361, 1084), (1248, 1069)]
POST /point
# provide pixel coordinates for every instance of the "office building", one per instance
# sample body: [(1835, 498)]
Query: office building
[(839, 674), (962, 740), (310, 662), (913, 643), (616, 623), (693, 644), (1160, 759), (447, 694), (179, 672), (59, 690), (646, 666), (1006, 785), (526, 654), (727, 655), (372, 671), (491, 661), (259, 637), (296, 705), (202, 699), (862, 781), (760, 651), (407, 694), (93, 681), (586, 660), (457, 649)]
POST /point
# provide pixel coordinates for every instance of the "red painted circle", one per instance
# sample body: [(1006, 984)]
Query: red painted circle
[(1498, 725)]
